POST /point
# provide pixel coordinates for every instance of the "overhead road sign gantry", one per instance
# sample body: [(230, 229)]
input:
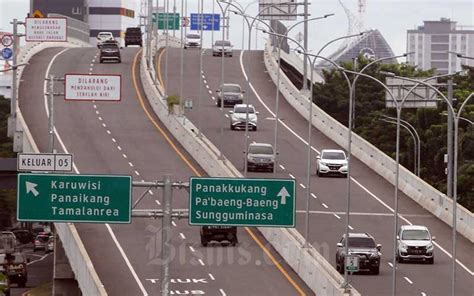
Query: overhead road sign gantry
[(242, 202), (48, 162), (74, 198), (210, 21)]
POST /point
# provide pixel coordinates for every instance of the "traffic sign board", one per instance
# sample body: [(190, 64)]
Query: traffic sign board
[(44, 162), (352, 263), (242, 202), (7, 40), (172, 19), (74, 198), (210, 21), (7, 53), (52, 29), (98, 87)]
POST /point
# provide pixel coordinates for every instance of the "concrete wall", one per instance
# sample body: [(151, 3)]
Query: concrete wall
[(424, 194), (317, 273)]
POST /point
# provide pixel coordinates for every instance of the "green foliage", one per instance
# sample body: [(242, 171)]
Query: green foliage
[(431, 124), (6, 144), (172, 100)]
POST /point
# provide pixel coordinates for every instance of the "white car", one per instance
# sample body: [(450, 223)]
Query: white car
[(104, 36), (331, 161), (415, 243), (192, 40), (238, 117), (222, 47)]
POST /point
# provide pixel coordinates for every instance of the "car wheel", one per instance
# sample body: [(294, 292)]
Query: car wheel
[(22, 284), (101, 61), (399, 259), (234, 240), (318, 173), (375, 270), (431, 260), (204, 241), (219, 103), (120, 60), (232, 127), (255, 129)]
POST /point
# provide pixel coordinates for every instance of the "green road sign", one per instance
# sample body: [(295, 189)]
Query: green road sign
[(74, 198), (242, 202), (172, 18)]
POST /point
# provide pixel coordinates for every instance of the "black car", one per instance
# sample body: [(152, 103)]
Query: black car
[(219, 233), (15, 266), (110, 51), (133, 36), (361, 245), (260, 156), (24, 236)]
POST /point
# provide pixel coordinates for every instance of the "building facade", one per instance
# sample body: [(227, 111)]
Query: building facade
[(431, 42)]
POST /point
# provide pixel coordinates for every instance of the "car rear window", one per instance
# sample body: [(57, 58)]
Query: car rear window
[(415, 235), (244, 110), (193, 36), (231, 88), (105, 35), (222, 43), (110, 45), (133, 31)]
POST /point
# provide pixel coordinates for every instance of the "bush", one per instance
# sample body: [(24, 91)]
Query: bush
[(172, 100)]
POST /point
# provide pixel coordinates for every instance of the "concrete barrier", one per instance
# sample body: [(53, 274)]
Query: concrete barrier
[(417, 189), (317, 273), (79, 260)]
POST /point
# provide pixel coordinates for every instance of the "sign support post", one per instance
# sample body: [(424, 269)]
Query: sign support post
[(51, 95), (166, 235)]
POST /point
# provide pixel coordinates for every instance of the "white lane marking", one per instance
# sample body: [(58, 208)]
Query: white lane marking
[(137, 173), (192, 249), (174, 223), (391, 265), (359, 214), (352, 178), (408, 280), (130, 164), (291, 176), (113, 140), (325, 205), (37, 260), (222, 292), (95, 106), (93, 60), (158, 202), (92, 65), (207, 86), (270, 118), (182, 235), (104, 125), (301, 184), (204, 81), (351, 228), (108, 132), (201, 262), (100, 118), (97, 112), (151, 192), (314, 195), (119, 148), (112, 234), (90, 69), (337, 216), (282, 167), (423, 294), (124, 156), (212, 277), (210, 92)]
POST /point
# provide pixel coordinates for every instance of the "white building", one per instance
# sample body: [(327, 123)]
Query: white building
[(112, 16), (431, 42)]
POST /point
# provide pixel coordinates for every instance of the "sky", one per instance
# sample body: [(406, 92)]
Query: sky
[(391, 17)]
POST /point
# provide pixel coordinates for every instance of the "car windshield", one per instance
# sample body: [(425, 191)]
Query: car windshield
[(222, 43), (231, 88), (244, 110), (193, 36), (42, 238), (333, 155), (361, 242), (110, 46), (105, 35), (415, 235), (260, 149)]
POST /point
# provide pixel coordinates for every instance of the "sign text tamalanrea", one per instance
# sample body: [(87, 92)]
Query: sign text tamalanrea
[(52, 29), (80, 87), (74, 198), (242, 202)]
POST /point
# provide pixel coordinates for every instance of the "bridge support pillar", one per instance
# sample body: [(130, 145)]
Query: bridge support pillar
[(64, 281)]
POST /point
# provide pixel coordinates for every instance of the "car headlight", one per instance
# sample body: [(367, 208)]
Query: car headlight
[(429, 247), (374, 255), (323, 163), (250, 159), (403, 246)]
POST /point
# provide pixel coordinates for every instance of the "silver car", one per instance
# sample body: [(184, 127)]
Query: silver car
[(238, 117), (260, 156), (415, 243), (229, 94), (192, 40), (331, 161), (222, 47)]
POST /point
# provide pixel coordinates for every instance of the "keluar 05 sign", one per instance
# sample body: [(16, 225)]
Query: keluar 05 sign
[(51, 29), (98, 87)]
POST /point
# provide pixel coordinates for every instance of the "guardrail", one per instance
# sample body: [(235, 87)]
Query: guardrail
[(80, 262), (313, 269), (417, 189)]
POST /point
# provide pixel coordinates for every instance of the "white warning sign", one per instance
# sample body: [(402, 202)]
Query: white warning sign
[(83, 87), (52, 29)]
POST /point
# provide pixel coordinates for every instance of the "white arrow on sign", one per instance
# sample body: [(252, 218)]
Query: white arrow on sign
[(31, 187), (283, 194)]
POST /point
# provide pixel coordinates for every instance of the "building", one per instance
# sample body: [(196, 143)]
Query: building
[(101, 15), (431, 42), (372, 45)]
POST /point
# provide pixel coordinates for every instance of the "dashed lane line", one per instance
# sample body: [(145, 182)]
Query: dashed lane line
[(408, 280), (192, 249), (201, 262), (325, 205), (302, 185), (282, 167), (212, 277), (182, 235)]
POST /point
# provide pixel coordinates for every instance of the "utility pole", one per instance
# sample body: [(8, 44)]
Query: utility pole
[(450, 163), (51, 94)]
